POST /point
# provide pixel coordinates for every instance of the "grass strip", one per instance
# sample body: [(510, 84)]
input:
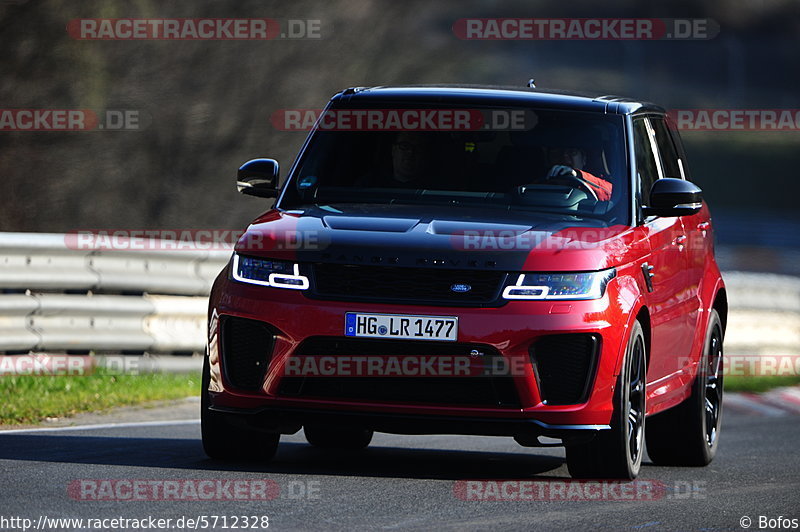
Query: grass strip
[(759, 384), (31, 399)]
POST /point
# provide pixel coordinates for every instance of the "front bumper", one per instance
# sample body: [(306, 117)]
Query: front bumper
[(510, 330), (290, 420)]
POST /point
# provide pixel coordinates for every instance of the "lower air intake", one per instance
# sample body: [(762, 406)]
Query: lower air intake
[(564, 366), (481, 388), (246, 351)]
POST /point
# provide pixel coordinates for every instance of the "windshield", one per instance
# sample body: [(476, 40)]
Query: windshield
[(563, 163)]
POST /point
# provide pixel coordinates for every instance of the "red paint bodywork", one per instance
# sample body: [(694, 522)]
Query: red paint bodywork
[(676, 312)]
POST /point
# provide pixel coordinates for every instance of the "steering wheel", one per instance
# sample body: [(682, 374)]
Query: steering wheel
[(573, 180)]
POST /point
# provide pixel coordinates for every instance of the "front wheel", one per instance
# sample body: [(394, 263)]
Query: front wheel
[(617, 453), (223, 440), (688, 434)]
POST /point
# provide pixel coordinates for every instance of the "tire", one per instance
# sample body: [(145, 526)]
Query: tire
[(223, 440), (688, 434), (337, 438), (617, 453)]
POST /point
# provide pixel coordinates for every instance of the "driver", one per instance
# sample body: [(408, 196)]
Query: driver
[(567, 166), (410, 159), (410, 156)]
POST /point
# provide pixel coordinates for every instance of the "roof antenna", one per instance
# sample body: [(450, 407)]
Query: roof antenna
[(532, 83)]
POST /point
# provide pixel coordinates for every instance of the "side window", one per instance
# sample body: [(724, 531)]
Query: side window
[(646, 166), (666, 148), (672, 128)]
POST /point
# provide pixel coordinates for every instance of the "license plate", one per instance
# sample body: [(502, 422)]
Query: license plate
[(401, 326)]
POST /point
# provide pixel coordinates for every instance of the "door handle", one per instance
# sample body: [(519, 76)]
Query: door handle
[(680, 241), (702, 226)]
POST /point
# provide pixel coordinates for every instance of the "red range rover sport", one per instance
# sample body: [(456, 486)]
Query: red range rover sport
[(474, 260)]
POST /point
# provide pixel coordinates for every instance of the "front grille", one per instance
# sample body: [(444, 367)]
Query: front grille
[(406, 285), (564, 366), (479, 388), (246, 351)]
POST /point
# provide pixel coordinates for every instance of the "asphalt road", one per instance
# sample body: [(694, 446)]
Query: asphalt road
[(400, 482)]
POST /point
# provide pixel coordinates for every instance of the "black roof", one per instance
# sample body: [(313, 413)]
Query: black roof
[(491, 94)]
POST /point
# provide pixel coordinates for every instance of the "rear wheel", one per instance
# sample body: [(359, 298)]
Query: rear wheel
[(337, 438), (617, 453), (224, 440), (688, 434)]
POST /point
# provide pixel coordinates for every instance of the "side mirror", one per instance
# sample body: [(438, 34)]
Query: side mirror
[(673, 197), (258, 177)]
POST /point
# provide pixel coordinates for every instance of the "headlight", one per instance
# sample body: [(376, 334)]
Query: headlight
[(583, 285), (266, 272)]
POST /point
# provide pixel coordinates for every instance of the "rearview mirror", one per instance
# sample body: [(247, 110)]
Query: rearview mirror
[(673, 197), (258, 177)]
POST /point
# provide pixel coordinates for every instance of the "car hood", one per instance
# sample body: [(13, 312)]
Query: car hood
[(448, 238)]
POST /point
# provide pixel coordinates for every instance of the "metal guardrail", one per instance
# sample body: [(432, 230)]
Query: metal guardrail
[(82, 323), (763, 291), (47, 261), (764, 317), (57, 298)]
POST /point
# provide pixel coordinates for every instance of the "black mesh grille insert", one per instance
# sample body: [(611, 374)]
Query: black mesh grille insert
[(564, 365), (406, 285), (477, 389), (246, 350)]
